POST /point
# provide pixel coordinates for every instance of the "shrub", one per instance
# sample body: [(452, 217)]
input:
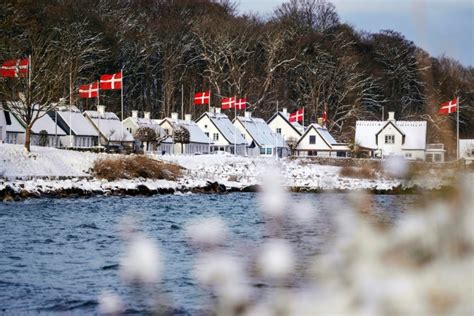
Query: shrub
[(364, 172), (130, 167)]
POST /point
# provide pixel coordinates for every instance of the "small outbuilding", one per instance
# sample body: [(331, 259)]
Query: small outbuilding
[(317, 141)]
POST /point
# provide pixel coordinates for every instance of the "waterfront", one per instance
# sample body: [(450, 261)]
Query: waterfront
[(57, 255)]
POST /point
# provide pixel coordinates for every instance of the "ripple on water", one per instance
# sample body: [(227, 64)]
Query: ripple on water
[(68, 249)]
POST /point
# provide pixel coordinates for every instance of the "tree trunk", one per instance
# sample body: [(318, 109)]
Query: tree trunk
[(27, 138)]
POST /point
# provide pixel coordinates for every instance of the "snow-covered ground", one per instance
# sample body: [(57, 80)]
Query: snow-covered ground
[(28, 171)]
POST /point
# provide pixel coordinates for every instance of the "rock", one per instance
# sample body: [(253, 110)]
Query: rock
[(251, 188)]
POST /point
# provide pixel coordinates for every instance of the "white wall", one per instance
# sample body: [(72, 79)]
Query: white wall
[(243, 131), (207, 126), (130, 125), (390, 149), (3, 127), (287, 131), (319, 145)]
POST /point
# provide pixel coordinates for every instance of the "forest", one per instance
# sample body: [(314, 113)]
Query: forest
[(302, 55)]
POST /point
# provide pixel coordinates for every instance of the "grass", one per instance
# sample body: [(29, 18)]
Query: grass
[(364, 172), (130, 167)]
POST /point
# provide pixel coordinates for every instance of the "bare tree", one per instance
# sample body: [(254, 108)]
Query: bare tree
[(32, 97)]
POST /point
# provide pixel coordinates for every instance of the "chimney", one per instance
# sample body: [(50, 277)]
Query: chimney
[(212, 110), (284, 111), (320, 121), (146, 115), (188, 117), (218, 110), (391, 116), (248, 114), (174, 116), (101, 110)]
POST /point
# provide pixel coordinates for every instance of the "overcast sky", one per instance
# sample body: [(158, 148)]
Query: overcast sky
[(438, 26)]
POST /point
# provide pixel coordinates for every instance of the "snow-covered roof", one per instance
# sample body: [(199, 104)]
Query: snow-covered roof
[(414, 131), (227, 129), (74, 119), (146, 122), (109, 125), (261, 133), (15, 125), (45, 123), (195, 133)]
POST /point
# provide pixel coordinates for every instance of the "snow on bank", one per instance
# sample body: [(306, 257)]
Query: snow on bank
[(15, 162), (231, 171)]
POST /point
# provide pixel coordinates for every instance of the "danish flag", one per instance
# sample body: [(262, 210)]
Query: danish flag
[(449, 107), (241, 104), (202, 97), (89, 91), (297, 116), (227, 103), (14, 68), (325, 117), (111, 82)]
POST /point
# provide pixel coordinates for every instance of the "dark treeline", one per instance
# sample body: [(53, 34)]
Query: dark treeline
[(301, 56)]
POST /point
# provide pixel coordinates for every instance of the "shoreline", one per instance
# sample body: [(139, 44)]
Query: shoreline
[(15, 191)]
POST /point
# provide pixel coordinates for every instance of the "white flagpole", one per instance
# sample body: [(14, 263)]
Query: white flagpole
[(457, 128), (70, 109), (98, 114), (121, 101), (209, 116), (235, 128)]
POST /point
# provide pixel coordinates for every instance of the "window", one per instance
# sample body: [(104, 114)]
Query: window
[(312, 139), (389, 139), (215, 136), (429, 157), (407, 155), (262, 151), (205, 126), (278, 131), (437, 158), (207, 134), (243, 135), (269, 151), (312, 153), (167, 131)]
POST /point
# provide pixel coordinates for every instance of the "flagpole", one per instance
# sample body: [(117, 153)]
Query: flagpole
[(209, 136), (121, 101), (98, 114), (182, 102), (235, 129), (457, 128), (70, 109)]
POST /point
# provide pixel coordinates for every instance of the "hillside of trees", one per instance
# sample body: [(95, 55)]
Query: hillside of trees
[(301, 56)]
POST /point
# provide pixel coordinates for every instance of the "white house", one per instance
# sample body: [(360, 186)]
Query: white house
[(199, 143), (435, 152), (80, 133), (466, 149), (3, 126), (109, 127), (44, 131), (280, 124), (317, 141), (261, 140), (224, 136), (14, 130), (392, 138), (133, 123)]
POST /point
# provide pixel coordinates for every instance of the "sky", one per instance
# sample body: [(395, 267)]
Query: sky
[(438, 26)]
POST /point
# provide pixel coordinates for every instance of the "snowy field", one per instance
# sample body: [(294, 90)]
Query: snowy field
[(45, 168)]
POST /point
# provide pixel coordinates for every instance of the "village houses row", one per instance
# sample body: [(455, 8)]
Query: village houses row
[(214, 132)]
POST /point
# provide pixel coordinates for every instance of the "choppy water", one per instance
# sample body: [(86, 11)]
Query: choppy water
[(57, 255)]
